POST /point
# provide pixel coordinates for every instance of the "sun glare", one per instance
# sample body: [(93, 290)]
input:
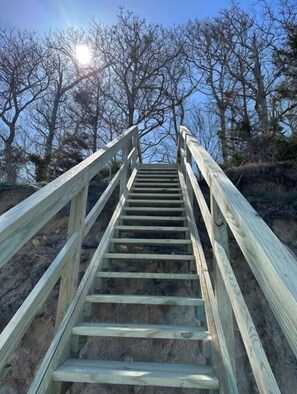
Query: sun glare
[(83, 54)]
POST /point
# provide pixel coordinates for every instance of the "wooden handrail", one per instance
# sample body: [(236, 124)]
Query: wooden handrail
[(22, 222), (273, 265)]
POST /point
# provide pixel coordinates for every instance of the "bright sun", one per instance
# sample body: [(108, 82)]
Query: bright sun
[(83, 54)]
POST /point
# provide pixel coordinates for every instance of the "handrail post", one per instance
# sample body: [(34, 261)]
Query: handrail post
[(136, 144), (125, 152), (188, 182), (69, 276), (220, 234)]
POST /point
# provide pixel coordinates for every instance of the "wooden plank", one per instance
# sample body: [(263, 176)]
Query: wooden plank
[(138, 146), (153, 218), (158, 166), (124, 177), (18, 325), (59, 348), (20, 223), (221, 359), (137, 373), (148, 256), (155, 201), (200, 199), (151, 241), (220, 234), (157, 177), (146, 275), (154, 209), (152, 180), (69, 277), (141, 331), (274, 267), (155, 189), (152, 228), (100, 204), (262, 371), (158, 195), (157, 184), (143, 300)]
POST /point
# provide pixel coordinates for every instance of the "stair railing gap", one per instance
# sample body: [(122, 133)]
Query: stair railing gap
[(22, 222), (272, 264)]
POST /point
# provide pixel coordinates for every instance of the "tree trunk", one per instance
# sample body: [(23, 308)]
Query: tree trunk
[(9, 160)]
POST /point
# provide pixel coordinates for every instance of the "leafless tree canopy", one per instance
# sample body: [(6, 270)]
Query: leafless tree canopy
[(231, 79)]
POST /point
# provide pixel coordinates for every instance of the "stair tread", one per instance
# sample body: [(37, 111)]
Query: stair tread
[(155, 201), (156, 189), (143, 299), (154, 209), (146, 275), (151, 228), (137, 373), (155, 194), (152, 218), (133, 330), (149, 256), (155, 184), (151, 241)]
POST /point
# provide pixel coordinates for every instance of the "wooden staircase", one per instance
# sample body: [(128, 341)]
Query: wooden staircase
[(182, 339), (152, 220)]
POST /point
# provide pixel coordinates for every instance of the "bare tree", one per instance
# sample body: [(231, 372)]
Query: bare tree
[(138, 54), (23, 80), (65, 74)]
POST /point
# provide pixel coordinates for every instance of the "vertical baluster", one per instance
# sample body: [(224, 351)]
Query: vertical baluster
[(69, 276), (220, 234)]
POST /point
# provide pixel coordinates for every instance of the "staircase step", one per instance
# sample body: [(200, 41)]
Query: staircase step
[(159, 195), (153, 172), (157, 184), (151, 181), (152, 228), (147, 241), (152, 218), (137, 189), (149, 256), (154, 209), (140, 331), (143, 300), (146, 275), (158, 178), (137, 373), (155, 201)]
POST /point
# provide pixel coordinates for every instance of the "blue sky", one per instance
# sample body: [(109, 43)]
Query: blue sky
[(44, 14)]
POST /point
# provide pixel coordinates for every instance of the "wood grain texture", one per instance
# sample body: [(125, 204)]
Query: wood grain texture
[(143, 300), (100, 204), (152, 218), (261, 368), (149, 256), (151, 241), (141, 331), (221, 359), (152, 228), (137, 373), (146, 275), (60, 346), (20, 223), (69, 276), (220, 235), (273, 265), (154, 202)]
